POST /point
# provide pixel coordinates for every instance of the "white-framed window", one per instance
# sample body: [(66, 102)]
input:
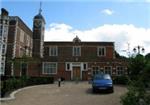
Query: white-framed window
[(108, 70), (0, 48), (76, 51), (68, 66), (28, 40), (95, 70), (1, 29), (5, 30), (85, 66), (21, 35), (120, 70), (101, 51), (53, 51), (49, 68)]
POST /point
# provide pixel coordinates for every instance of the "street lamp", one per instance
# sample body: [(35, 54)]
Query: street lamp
[(138, 49)]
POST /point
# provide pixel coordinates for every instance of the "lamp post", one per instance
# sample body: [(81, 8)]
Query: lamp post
[(138, 49)]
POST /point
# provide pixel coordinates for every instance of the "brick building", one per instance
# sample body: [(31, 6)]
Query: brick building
[(81, 59), (4, 24), (19, 42), (70, 60)]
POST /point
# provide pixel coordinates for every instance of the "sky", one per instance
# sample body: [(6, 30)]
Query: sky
[(125, 22)]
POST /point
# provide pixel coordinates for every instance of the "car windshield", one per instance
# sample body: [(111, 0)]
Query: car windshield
[(101, 77)]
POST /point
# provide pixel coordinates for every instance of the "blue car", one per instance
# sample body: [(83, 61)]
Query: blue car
[(102, 82)]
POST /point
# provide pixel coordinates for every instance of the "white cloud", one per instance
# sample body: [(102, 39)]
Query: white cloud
[(120, 34), (107, 11)]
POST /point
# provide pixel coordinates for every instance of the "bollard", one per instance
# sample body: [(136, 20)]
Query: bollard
[(59, 82)]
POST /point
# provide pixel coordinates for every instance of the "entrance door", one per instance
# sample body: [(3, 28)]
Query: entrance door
[(76, 73), (24, 69)]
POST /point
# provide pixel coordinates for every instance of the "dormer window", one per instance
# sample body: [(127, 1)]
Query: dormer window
[(101, 51)]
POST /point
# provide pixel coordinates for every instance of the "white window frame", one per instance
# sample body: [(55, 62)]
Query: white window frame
[(110, 69), (119, 70), (85, 66), (95, 70), (75, 51), (53, 51), (43, 71), (99, 49), (22, 34), (70, 66)]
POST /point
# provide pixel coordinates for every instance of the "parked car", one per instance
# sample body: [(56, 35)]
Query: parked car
[(102, 82)]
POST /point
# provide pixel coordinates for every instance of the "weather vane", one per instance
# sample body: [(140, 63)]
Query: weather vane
[(40, 10)]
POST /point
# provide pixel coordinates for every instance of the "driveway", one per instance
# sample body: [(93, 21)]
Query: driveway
[(69, 93)]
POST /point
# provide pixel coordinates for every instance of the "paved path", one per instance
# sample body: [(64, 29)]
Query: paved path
[(69, 93)]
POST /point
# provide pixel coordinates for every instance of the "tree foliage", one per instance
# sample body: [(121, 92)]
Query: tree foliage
[(139, 75), (136, 66), (147, 57)]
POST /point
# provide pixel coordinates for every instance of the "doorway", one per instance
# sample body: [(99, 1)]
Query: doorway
[(24, 68), (76, 73)]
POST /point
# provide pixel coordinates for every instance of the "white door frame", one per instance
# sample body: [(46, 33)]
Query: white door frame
[(76, 64)]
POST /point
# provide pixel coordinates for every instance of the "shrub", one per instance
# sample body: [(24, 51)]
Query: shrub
[(129, 99), (123, 80), (136, 94), (15, 83)]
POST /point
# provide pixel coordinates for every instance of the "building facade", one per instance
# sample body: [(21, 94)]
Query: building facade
[(19, 42), (4, 24), (77, 59), (71, 60)]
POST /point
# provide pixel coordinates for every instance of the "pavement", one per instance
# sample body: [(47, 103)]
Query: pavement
[(69, 93)]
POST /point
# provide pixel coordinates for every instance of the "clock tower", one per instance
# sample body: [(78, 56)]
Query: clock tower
[(38, 35)]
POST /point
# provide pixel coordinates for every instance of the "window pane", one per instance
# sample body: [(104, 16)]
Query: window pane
[(50, 68), (101, 51), (108, 70), (85, 66), (68, 66), (120, 70), (53, 51), (76, 51)]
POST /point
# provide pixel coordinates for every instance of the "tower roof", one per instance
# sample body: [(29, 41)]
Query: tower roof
[(39, 15)]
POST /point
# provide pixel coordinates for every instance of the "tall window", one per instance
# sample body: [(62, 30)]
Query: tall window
[(76, 51), (120, 70), (108, 70), (85, 66), (24, 67), (49, 68), (68, 66), (1, 29), (96, 70), (53, 51), (101, 51), (22, 34)]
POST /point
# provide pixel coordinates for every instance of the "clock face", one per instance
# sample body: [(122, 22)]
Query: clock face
[(37, 24)]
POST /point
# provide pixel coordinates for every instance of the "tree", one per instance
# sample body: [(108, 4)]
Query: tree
[(147, 57), (136, 66), (137, 93)]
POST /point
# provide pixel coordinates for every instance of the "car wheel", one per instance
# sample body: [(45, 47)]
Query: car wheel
[(112, 90)]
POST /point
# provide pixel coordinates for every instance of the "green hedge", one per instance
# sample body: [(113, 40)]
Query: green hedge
[(15, 83), (122, 80)]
